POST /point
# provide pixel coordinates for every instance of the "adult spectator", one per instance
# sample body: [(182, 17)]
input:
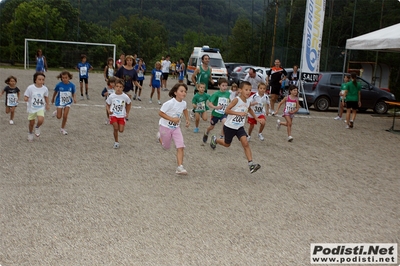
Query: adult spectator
[(254, 78), (165, 65), (202, 74), (274, 79), (294, 76)]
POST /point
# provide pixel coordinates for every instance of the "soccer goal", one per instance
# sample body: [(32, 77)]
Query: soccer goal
[(26, 54)]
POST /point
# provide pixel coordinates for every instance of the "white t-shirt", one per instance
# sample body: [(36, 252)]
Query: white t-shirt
[(233, 94), (259, 108), (172, 108), (118, 104), (254, 81), (36, 101), (237, 121), (165, 66)]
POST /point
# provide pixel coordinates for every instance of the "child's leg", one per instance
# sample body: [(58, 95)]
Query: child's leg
[(288, 124), (81, 87), (251, 129), (222, 142), (179, 156), (65, 116), (246, 147), (121, 128), (31, 125), (348, 110), (353, 114), (197, 121), (116, 128), (40, 120), (86, 88), (8, 109), (152, 92), (140, 91), (261, 127), (59, 113), (222, 129), (211, 127), (204, 116), (158, 94)]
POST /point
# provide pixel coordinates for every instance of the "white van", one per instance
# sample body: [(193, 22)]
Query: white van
[(216, 63)]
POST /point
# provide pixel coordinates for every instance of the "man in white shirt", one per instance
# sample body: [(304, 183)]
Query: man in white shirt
[(165, 70), (254, 78)]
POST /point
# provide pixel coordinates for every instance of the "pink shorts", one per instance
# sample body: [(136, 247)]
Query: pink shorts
[(167, 135)]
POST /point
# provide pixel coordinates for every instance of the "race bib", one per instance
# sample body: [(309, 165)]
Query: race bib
[(158, 75), (110, 72), (83, 71), (201, 106), (140, 74), (65, 98), (222, 102), (290, 107), (173, 125), (12, 99), (258, 109), (118, 107), (38, 101)]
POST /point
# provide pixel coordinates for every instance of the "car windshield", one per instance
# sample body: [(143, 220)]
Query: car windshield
[(216, 62)]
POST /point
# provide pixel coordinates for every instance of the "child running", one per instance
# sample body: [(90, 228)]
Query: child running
[(292, 105), (155, 82), (234, 125), (233, 91), (200, 107), (107, 91), (109, 69), (218, 101), (83, 68), (140, 68), (258, 103), (12, 96), (171, 113), (118, 107), (37, 98), (64, 95)]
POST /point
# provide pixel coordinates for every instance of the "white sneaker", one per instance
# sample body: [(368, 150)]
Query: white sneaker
[(338, 118), (82, 98), (159, 102), (260, 136), (180, 170), (11, 122), (107, 122), (116, 145), (87, 96), (290, 139), (150, 101), (278, 124), (191, 115), (158, 137), (272, 113), (347, 126), (37, 131), (54, 113), (63, 131), (248, 138), (30, 137)]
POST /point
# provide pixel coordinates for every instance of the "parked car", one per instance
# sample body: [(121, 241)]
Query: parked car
[(239, 73), (325, 93), (230, 67)]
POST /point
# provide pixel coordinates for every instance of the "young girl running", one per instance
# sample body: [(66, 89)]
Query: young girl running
[(37, 98), (12, 96), (64, 95), (107, 91), (200, 107), (109, 69), (140, 69), (292, 105), (155, 81), (118, 107), (171, 113)]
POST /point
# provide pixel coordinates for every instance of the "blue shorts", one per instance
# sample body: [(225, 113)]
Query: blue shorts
[(214, 120)]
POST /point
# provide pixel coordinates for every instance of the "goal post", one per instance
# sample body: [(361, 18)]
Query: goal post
[(26, 52)]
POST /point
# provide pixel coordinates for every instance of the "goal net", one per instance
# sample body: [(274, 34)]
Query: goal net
[(66, 54)]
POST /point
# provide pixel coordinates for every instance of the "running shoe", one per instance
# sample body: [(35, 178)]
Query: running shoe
[(254, 167), (30, 137), (159, 102), (213, 143), (351, 124), (87, 96), (11, 122), (82, 97), (290, 139), (278, 124), (338, 118), (63, 131), (191, 115), (116, 145), (180, 170), (196, 130), (134, 97), (54, 113), (248, 138), (347, 127), (150, 101), (138, 98), (37, 131), (205, 137), (260, 136)]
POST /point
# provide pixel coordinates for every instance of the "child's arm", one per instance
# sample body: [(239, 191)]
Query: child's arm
[(108, 109), (280, 103), (105, 73), (186, 114), (137, 84), (26, 98), (45, 63), (212, 106), (297, 107), (2, 92), (195, 74), (229, 111), (261, 121), (151, 78), (54, 96), (128, 109), (104, 92), (46, 99), (267, 109), (167, 117)]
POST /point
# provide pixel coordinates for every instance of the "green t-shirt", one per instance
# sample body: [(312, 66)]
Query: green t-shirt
[(203, 77), (200, 100), (352, 91), (220, 98)]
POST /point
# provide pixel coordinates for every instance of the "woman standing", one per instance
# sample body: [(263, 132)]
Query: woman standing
[(352, 94)]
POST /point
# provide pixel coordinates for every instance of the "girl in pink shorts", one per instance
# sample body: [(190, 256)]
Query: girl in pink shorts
[(292, 105), (171, 112)]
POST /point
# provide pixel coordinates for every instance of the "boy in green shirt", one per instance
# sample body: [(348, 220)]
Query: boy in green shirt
[(218, 102), (200, 107)]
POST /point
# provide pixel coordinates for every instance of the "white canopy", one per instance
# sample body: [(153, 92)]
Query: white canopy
[(385, 40)]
